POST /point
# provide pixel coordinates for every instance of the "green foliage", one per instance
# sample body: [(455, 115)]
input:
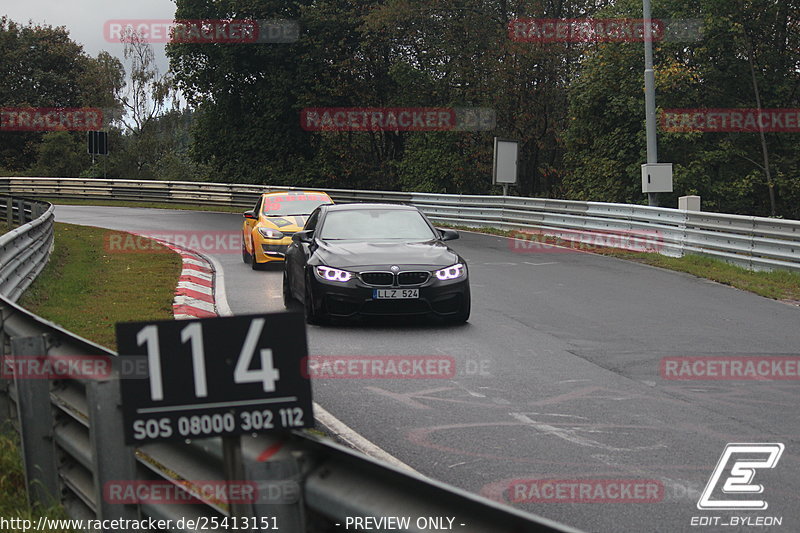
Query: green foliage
[(61, 153), (577, 109), (605, 138)]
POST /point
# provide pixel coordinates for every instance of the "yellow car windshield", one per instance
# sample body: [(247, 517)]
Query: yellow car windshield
[(300, 204)]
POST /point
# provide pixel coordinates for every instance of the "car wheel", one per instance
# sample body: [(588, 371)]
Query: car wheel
[(289, 301), (463, 314), (253, 261), (246, 257), (312, 316)]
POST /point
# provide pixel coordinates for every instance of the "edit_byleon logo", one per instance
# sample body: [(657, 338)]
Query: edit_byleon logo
[(744, 460)]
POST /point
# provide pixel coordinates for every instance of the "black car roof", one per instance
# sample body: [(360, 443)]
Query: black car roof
[(352, 207)]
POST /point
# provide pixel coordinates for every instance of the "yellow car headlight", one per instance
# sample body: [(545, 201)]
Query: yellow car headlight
[(269, 233)]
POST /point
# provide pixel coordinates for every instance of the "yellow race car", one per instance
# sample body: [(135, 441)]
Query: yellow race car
[(267, 230)]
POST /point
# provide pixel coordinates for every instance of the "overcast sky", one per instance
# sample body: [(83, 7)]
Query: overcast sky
[(85, 19)]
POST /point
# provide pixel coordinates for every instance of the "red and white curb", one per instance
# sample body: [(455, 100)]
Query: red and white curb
[(194, 296)]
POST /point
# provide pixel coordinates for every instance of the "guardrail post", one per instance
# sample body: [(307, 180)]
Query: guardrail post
[(112, 459), (36, 426), (5, 394), (279, 479), (10, 211)]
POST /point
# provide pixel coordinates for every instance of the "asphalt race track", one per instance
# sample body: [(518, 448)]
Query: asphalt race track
[(557, 377)]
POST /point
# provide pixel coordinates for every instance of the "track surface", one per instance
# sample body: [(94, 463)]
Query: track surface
[(558, 377)]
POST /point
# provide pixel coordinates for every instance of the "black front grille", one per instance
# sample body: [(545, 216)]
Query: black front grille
[(412, 278), (395, 307), (383, 279), (274, 249)]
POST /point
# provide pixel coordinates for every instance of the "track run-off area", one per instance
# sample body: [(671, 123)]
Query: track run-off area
[(558, 376)]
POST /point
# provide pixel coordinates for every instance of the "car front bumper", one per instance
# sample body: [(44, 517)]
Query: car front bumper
[(351, 300)]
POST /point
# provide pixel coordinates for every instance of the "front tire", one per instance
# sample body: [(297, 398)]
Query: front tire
[(246, 257), (312, 316), (254, 262), (463, 314), (289, 301)]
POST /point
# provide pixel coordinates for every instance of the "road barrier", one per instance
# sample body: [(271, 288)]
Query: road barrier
[(74, 452), (755, 243), (26, 246)]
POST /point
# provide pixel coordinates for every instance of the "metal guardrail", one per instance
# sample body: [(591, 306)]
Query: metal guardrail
[(73, 445), (752, 242), (25, 249)]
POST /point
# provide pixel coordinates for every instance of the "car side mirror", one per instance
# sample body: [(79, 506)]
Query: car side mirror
[(306, 236), (250, 214), (448, 234)]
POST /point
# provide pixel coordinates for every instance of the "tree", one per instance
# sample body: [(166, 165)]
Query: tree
[(40, 66)]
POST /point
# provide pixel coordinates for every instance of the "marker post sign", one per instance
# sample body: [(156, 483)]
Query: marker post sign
[(215, 377)]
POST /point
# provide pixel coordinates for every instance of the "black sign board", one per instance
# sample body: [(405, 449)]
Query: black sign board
[(97, 142), (216, 376)]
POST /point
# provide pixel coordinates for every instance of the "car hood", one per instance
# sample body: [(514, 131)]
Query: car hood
[(292, 223), (350, 254)]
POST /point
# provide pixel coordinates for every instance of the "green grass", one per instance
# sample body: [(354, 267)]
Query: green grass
[(13, 495), (87, 289), (780, 285), (154, 205)]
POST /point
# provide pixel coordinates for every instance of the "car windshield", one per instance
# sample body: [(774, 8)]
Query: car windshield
[(376, 225), (300, 204)]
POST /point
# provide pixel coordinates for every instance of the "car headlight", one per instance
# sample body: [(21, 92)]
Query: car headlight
[(333, 274), (451, 272), (269, 233)]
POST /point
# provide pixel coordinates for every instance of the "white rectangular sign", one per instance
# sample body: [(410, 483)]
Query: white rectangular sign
[(506, 155)]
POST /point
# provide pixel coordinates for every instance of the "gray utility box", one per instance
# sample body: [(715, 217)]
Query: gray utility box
[(657, 177), (689, 203)]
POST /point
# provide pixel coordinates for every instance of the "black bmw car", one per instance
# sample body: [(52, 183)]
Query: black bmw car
[(358, 260)]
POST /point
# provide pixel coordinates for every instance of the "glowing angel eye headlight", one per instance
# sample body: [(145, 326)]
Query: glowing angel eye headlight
[(451, 272), (269, 233), (333, 274)]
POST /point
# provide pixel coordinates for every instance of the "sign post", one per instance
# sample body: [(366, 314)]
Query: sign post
[(217, 377), (506, 158)]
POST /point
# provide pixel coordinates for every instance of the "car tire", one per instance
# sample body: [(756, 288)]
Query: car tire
[(254, 264), (463, 314), (312, 316), (289, 301), (246, 257)]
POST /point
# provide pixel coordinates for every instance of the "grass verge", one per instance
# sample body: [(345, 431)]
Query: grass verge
[(87, 289), (780, 285), (13, 496)]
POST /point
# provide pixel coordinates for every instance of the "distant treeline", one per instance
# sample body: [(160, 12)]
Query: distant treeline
[(575, 106)]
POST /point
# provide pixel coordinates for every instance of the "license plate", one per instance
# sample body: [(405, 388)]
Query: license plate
[(395, 294)]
